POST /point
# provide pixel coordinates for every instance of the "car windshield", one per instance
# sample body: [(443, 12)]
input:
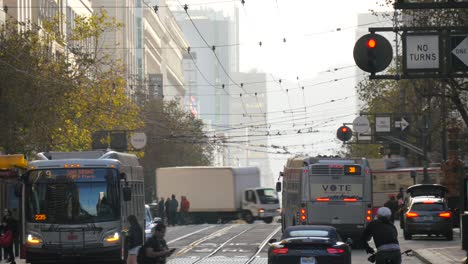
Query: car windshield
[(268, 196), (428, 207), (72, 196)]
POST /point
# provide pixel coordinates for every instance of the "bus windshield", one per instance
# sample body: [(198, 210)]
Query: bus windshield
[(65, 196)]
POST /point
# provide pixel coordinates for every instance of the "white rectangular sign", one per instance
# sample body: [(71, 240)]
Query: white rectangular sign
[(422, 52), (336, 191), (383, 124)]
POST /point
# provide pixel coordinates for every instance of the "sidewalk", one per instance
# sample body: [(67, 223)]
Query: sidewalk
[(441, 255)]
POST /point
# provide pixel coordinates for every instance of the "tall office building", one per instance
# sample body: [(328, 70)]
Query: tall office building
[(211, 85)]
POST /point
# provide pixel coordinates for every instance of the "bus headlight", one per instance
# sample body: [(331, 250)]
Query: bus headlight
[(112, 238), (34, 240)]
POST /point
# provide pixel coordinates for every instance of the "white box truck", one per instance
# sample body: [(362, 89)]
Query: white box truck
[(219, 193)]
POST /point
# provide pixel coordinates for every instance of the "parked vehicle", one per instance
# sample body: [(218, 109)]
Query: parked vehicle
[(309, 244), (150, 221), (219, 193), (428, 212)]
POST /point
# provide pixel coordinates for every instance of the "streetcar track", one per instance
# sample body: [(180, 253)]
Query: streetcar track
[(201, 240), (262, 245), (191, 234), (222, 245)]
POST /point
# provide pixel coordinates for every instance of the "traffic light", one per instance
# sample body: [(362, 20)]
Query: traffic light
[(344, 133), (373, 53)]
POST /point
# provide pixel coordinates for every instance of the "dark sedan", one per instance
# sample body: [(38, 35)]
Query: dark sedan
[(309, 244)]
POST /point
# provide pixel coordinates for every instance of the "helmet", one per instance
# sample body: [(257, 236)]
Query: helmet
[(384, 212)]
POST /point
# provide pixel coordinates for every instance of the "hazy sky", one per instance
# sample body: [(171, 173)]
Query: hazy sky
[(312, 47)]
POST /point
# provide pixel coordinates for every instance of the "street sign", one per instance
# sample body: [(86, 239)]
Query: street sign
[(421, 52), (138, 140), (383, 124), (361, 125), (459, 52), (403, 124)]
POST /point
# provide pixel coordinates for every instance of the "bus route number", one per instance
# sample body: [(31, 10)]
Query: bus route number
[(40, 217)]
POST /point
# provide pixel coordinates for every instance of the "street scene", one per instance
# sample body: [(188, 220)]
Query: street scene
[(233, 131)]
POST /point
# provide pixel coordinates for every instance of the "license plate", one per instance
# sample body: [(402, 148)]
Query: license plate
[(308, 260), (428, 218)]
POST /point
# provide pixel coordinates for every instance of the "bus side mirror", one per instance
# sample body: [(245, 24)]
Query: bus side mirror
[(123, 176), (127, 193), (278, 186)]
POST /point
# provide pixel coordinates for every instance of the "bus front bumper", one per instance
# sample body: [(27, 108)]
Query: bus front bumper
[(64, 255)]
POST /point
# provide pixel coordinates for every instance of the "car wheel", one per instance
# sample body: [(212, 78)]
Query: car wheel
[(407, 235), (449, 235), (268, 220)]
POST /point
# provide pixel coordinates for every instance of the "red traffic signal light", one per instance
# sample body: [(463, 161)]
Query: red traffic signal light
[(373, 53), (371, 43), (344, 133)]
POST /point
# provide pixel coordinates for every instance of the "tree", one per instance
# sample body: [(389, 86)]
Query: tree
[(58, 89), (175, 138)]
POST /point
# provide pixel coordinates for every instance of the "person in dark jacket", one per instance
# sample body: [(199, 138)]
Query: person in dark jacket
[(6, 239), (13, 225), (155, 250), (166, 208), (161, 209), (173, 205), (385, 237), (134, 239), (392, 204)]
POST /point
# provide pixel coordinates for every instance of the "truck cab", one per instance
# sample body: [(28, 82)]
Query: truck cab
[(260, 204)]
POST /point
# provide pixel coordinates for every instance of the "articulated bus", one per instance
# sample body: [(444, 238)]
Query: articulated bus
[(76, 208), (327, 191)]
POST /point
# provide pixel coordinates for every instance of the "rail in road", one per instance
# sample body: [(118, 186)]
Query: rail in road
[(222, 245)]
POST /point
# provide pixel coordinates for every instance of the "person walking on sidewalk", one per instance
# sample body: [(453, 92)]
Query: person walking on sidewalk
[(6, 240), (134, 239), (385, 237)]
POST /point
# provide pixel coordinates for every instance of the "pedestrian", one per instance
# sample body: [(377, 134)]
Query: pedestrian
[(155, 250), (392, 204), (161, 209), (134, 239), (6, 240), (8, 217), (385, 237), (184, 208), (173, 205), (167, 205)]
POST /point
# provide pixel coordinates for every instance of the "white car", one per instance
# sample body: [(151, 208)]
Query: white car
[(150, 221)]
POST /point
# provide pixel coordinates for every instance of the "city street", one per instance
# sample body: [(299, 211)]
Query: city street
[(239, 243)]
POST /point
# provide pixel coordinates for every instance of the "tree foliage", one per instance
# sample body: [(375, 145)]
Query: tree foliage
[(432, 103), (175, 138), (57, 89)]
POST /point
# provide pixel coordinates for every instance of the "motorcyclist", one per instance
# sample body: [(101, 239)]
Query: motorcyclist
[(385, 238)]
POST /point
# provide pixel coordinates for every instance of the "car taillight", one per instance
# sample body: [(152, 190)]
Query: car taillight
[(411, 214), (445, 215), (350, 199), (280, 251), (335, 250)]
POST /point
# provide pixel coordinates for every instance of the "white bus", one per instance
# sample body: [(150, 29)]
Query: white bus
[(327, 191), (76, 208)]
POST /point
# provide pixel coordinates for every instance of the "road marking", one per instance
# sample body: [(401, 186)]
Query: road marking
[(191, 234)]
